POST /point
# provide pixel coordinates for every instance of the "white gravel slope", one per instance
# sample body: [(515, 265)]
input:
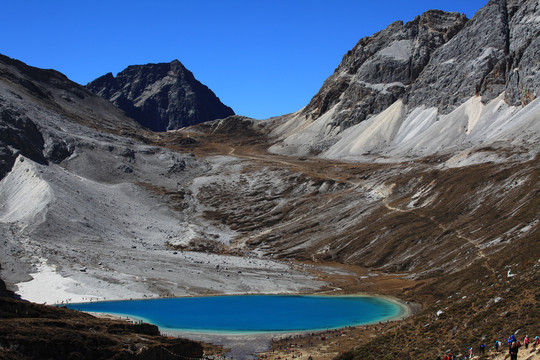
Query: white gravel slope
[(112, 243), (400, 133)]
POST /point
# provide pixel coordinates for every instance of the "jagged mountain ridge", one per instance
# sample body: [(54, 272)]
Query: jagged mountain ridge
[(395, 57), (412, 75), (164, 96)]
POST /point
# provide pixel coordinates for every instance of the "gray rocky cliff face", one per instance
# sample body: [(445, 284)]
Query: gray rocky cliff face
[(35, 102), (437, 60), (493, 53), (161, 97), (523, 77), (379, 69), (18, 135)]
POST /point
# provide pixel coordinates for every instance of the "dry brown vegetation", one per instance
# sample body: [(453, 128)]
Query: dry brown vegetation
[(441, 237), (32, 331)]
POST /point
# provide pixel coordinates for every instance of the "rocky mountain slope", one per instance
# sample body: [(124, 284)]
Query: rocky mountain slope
[(34, 101), (161, 97), (73, 182), (440, 83)]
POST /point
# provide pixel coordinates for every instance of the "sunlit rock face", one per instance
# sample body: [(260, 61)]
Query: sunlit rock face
[(381, 68), (438, 83)]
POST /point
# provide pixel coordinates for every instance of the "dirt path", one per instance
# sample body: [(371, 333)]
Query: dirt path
[(306, 167), (441, 226)]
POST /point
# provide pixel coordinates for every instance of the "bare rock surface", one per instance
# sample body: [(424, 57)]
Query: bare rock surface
[(433, 202), (161, 97), (380, 68), (407, 90)]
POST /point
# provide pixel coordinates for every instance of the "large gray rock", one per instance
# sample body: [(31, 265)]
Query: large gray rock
[(18, 135), (161, 97), (523, 79), (497, 51)]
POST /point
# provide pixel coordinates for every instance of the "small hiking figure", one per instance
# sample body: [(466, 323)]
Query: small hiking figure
[(536, 341), (496, 346), (482, 348), (470, 352), (526, 341), (514, 351)]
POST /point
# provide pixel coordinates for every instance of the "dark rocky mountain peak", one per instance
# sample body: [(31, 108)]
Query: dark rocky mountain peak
[(163, 96)]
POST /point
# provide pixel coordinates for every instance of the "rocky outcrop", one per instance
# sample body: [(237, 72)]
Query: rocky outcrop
[(523, 78), (4, 292), (32, 331), (493, 53), (161, 97), (380, 68), (18, 135), (35, 103), (422, 87)]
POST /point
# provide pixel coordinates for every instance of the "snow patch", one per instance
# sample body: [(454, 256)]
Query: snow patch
[(49, 287)]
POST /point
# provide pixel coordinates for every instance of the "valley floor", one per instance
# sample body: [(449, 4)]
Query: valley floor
[(234, 219)]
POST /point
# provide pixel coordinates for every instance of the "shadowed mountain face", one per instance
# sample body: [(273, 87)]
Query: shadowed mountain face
[(161, 97), (34, 101)]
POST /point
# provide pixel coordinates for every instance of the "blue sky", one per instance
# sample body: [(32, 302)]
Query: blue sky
[(262, 58)]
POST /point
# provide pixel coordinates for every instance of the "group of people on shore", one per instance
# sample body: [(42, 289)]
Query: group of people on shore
[(513, 348)]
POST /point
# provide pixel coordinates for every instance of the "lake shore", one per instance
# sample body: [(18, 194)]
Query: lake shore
[(244, 345)]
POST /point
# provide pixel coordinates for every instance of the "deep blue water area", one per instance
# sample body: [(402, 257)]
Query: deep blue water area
[(251, 313)]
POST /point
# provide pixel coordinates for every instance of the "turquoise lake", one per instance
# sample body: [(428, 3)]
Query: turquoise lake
[(251, 313)]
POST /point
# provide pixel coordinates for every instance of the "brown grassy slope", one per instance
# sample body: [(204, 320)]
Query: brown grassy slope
[(480, 310), (457, 231)]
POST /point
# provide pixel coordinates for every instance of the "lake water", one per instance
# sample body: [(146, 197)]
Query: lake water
[(251, 313)]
